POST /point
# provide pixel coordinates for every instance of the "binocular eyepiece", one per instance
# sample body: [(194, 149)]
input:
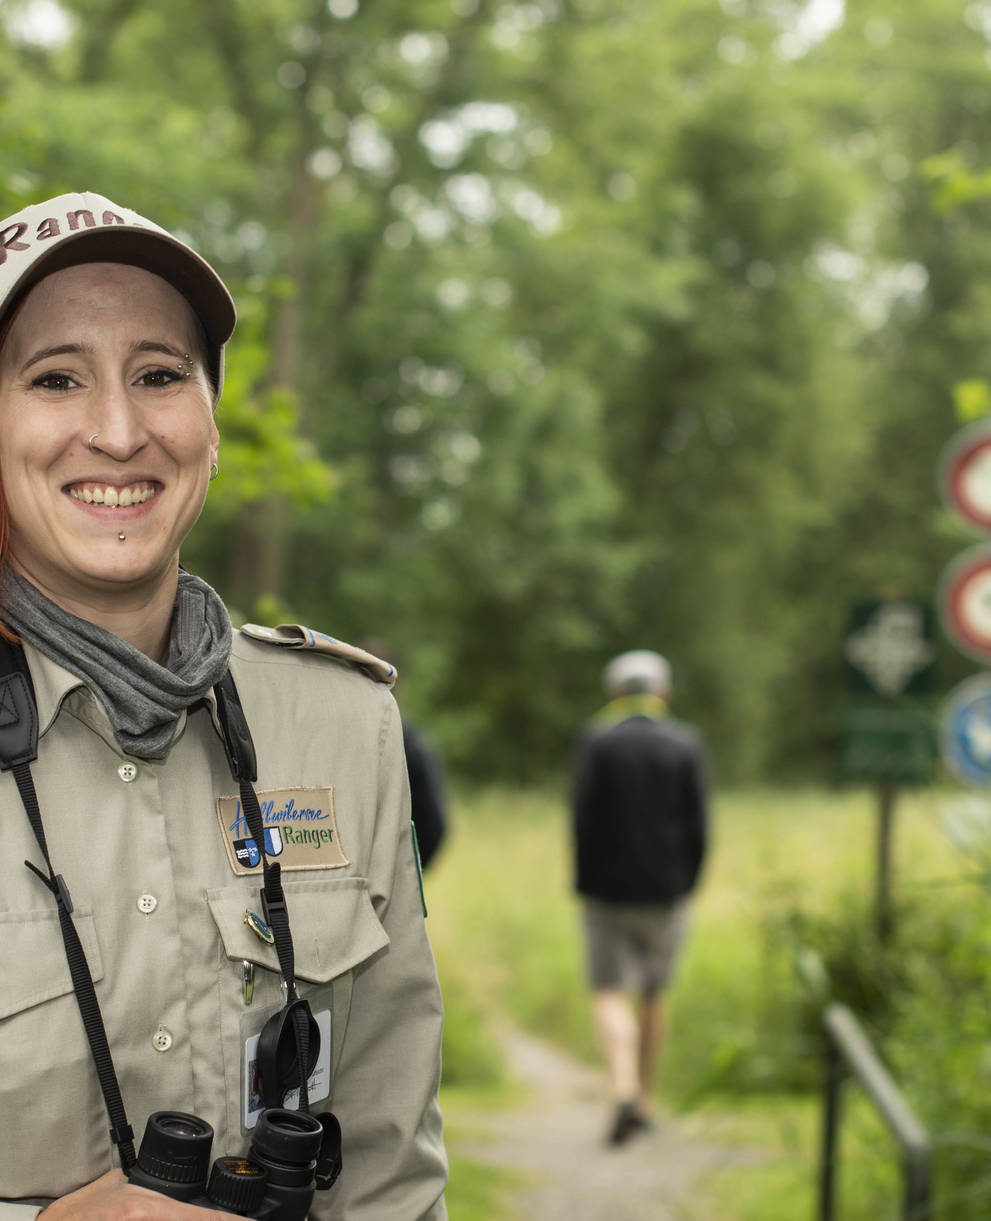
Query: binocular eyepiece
[(275, 1182)]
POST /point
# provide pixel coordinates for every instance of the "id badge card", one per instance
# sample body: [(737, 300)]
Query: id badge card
[(318, 1084)]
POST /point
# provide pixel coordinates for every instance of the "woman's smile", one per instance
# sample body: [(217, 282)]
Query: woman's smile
[(110, 496)]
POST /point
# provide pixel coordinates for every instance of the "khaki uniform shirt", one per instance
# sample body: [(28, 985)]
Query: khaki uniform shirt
[(160, 911)]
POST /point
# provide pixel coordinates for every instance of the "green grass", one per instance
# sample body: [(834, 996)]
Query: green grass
[(505, 929), (477, 1191)]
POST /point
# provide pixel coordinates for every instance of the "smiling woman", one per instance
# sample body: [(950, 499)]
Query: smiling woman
[(155, 809)]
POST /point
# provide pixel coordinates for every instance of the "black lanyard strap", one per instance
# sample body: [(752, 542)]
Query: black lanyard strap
[(18, 749), (244, 768), (121, 1132)]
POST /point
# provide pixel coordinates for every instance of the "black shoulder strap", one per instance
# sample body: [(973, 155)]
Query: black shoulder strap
[(18, 750), (18, 710)]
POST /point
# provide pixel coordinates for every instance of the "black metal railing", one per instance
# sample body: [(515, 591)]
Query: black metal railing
[(849, 1051)]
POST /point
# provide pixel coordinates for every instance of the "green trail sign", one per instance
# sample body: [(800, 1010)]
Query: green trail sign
[(889, 648), (889, 744)]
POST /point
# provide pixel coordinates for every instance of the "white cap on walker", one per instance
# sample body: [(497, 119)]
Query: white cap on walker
[(635, 672)]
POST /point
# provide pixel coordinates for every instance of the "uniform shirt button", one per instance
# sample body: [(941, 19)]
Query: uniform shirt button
[(147, 904), (127, 772), (162, 1040)]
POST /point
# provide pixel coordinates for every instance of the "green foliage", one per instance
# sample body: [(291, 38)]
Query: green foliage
[(565, 328), (972, 399), (477, 1192), (922, 999), (472, 1058), (954, 185)]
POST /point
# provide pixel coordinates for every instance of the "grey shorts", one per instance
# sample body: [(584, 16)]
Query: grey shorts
[(632, 947)]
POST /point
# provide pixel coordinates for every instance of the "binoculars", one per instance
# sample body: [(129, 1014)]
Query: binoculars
[(275, 1182)]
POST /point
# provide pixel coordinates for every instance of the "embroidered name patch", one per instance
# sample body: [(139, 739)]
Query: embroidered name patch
[(300, 829)]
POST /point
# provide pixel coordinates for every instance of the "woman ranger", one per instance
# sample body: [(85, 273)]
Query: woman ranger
[(182, 844)]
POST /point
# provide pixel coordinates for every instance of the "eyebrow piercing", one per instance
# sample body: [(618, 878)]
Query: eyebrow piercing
[(91, 440), (185, 366)]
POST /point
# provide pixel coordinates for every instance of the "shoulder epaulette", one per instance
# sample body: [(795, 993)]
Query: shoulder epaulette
[(295, 636)]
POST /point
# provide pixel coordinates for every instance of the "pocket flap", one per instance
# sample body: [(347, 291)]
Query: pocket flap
[(33, 965), (333, 923)]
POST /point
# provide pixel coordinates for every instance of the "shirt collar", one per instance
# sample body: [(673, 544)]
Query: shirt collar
[(53, 685)]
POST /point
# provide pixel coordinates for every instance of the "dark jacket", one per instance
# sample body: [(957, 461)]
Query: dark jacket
[(426, 790), (639, 811)]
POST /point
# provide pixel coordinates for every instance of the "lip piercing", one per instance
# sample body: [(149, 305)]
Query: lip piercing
[(91, 440), (122, 537)]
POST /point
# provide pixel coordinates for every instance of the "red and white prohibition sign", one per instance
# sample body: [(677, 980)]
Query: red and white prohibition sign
[(965, 602), (965, 475)]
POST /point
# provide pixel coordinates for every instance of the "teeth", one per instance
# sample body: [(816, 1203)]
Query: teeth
[(113, 497)]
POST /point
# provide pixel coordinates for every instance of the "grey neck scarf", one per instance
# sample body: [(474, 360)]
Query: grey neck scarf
[(143, 699)]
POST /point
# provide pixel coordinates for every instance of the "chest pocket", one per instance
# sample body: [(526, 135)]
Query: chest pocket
[(47, 1082), (334, 930), (334, 926), (33, 965)]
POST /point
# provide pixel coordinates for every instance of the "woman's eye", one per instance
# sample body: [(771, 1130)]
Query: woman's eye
[(54, 381), (158, 377)]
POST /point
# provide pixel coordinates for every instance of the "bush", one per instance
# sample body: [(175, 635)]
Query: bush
[(922, 999)]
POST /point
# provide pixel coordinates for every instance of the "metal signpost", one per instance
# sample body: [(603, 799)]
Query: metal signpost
[(888, 652)]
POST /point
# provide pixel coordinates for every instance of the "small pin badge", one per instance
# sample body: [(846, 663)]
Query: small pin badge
[(248, 980), (259, 927)]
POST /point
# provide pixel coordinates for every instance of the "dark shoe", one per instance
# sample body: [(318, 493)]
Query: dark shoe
[(627, 1121)]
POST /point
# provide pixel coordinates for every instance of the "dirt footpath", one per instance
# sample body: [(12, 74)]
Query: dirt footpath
[(554, 1142)]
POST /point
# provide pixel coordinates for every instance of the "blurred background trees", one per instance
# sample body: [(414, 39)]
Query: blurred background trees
[(566, 325)]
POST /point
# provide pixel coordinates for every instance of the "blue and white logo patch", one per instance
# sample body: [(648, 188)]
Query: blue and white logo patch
[(300, 829), (246, 851)]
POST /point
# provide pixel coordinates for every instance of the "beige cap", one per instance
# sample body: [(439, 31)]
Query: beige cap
[(88, 228)]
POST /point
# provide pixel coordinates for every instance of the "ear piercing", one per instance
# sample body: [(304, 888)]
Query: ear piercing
[(214, 471), (91, 440), (185, 366)]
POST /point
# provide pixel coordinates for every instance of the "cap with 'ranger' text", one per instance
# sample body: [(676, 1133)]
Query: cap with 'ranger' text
[(88, 228)]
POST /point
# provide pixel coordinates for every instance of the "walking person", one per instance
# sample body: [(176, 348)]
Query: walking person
[(639, 815)]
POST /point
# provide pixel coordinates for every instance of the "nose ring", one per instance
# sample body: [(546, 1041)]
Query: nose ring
[(91, 440)]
